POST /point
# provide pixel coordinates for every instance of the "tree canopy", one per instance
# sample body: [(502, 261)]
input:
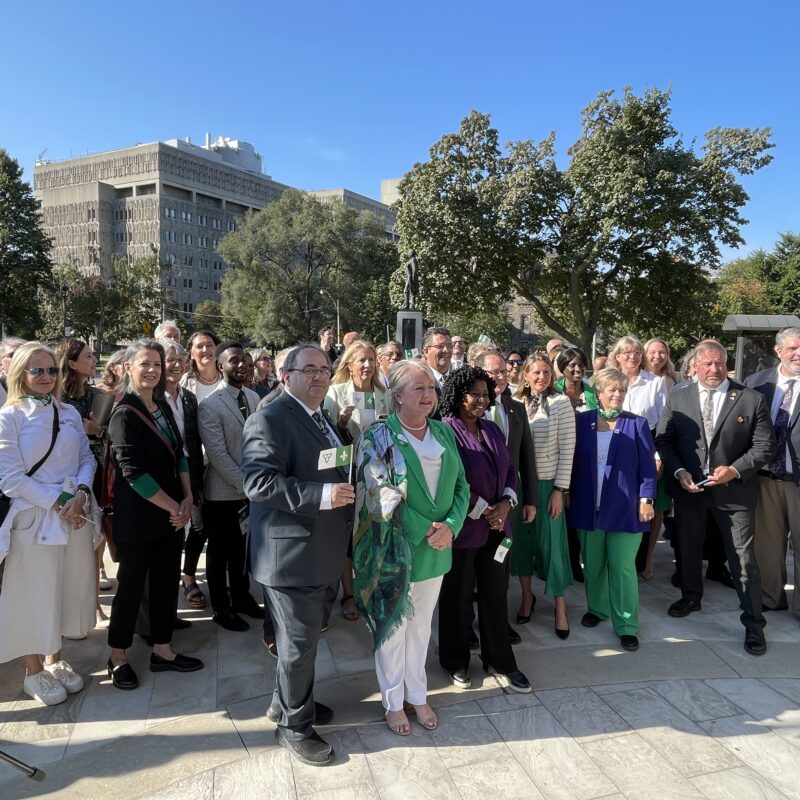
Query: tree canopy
[(295, 259), (637, 212), (24, 251)]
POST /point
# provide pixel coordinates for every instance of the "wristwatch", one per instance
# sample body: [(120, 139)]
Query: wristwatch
[(511, 501), (647, 500), (82, 487)]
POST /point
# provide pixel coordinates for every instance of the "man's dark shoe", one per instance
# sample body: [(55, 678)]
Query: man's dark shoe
[(513, 636), (629, 642), (721, 575), (754, 642), (323, 715), (314, 750), (461, 678), (180, 663), (589, 620), (251, 609), (230, 620), (684, 607)]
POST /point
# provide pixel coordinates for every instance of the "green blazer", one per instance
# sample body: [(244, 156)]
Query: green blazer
[(420, 510)]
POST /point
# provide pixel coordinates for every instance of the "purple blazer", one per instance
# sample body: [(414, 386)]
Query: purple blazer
[(630, 474), (489, 473)]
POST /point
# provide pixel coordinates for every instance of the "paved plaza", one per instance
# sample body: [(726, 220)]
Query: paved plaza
[(690, 715)]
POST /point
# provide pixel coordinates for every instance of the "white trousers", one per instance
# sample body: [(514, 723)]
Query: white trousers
[(400, 661)]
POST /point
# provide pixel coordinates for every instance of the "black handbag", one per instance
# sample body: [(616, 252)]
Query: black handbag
[(5, 502)]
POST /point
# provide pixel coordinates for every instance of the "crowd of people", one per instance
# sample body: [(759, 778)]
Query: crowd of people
[(410, 480)]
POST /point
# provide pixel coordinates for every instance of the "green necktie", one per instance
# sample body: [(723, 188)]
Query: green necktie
[(498, 417)]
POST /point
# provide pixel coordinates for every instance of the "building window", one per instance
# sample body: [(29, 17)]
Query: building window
[(186, 216), (188, 261), (169, 213), (216, 223), (170, 236), (187, 238), (202, 219), (202, 241), (231, 226)]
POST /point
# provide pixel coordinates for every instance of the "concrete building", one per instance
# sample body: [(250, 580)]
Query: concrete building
[(174, 197)]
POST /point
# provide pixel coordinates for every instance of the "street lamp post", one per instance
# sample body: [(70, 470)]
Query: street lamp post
[(64, 306), (336, 303)]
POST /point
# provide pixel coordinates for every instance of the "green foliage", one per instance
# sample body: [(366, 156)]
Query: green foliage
[(495, 325), (24, 251), (296, 258), (636, 212)]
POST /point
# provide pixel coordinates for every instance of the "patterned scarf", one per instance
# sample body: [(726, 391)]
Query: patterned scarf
[(43, 399), (381, 552)]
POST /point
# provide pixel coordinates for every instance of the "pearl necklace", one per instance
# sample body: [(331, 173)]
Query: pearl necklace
[(411, 428), (204, 381)]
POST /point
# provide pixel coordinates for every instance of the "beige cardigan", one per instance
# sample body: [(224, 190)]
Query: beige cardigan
[(340, 395)]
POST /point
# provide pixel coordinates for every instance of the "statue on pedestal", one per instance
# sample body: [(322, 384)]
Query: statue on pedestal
[(411, 287)]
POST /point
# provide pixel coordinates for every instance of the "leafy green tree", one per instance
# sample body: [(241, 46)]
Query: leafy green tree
[(634, 204), (144, 300), (294, 260), (24, 251), (207, 316)]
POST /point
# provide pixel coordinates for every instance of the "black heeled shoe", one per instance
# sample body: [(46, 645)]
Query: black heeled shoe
[(562, 633), (522, 619)]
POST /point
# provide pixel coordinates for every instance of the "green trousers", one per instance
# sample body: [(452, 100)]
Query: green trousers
[(541, 547), (610, 580)]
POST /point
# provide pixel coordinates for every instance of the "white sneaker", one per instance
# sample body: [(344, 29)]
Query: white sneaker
[(66, 676), (45, 688), (104, 584)]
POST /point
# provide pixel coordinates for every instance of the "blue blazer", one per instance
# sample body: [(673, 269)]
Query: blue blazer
[(630, 474)]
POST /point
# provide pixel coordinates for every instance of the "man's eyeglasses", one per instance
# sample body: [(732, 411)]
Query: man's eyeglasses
[(515, 362), (499, 373), (37, 372), (312, 372), (440, 347)]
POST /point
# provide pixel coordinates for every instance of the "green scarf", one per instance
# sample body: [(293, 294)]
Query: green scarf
[(381, 553), (44, 399)]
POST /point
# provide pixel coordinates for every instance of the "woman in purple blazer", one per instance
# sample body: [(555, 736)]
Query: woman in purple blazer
[(611, 504), (467, 394)]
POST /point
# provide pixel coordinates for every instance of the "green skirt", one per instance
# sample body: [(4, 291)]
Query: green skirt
[(663, 500), (541, 547)]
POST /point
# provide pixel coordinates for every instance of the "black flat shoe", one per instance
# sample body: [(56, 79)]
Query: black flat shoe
[(461, 679), (629, 642), (522, 619), (516, 680), (589, 620), (721, 575), (513, 636), (123, 676), (323, 715), (314, 750), (683, 607), (754, 642), (252, 610), (180, 663), (230, 620)]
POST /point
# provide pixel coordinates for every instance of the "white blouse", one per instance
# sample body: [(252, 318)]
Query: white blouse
[(646, 397), (429, 452), (26, 430)]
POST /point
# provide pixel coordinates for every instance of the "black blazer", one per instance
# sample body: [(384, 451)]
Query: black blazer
[(743, 438), (192, 440), (520, 445), (764, 382), (136, 450)]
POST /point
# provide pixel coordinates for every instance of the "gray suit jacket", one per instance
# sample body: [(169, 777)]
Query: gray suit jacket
[(742, 438), (290, 541), (220, 423)]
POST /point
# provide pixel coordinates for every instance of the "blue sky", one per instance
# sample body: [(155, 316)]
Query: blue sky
[(348, 93)]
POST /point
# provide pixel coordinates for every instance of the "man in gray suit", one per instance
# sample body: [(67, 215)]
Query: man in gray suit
[(220, 421), (778, 510), (713, 437), (301, 518)]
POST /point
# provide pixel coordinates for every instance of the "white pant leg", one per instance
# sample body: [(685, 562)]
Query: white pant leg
[(424, 596), (389, 666)]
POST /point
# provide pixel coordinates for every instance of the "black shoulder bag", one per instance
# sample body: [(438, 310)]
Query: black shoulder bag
[(5, 502)]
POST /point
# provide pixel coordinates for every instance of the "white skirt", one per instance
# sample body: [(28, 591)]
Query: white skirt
[(49, 591)]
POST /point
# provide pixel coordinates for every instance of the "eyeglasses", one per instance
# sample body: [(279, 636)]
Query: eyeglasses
[(37, 372), (312, 372), (145, 365), (499, 373), (439, 347), (514, 362)]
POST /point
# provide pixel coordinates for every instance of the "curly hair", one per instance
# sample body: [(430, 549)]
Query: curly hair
[(458, 383)]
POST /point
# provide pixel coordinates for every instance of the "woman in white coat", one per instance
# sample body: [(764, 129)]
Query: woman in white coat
[(49, 582)]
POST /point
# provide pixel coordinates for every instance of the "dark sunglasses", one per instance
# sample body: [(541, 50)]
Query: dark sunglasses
[(515, 362), (37, 372)]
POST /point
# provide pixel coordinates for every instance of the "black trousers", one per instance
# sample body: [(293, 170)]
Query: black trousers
[(736, 531), (225, 555), (297, 614), (159, 563), (471, 566), (195, 542)]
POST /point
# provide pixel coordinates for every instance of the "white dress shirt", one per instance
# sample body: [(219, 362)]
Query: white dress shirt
[(646, 397), (719, 397)]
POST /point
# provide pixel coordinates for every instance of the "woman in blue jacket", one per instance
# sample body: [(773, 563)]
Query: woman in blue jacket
[(611, 504)]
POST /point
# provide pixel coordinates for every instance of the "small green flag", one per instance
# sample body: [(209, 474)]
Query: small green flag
[(335, 457)]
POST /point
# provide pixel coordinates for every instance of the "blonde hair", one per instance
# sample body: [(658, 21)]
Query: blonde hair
[(400, 376), (622, 343), (669, 367), (343, 374), (610, 377), (523, 390), (17, 377), (478, 349)]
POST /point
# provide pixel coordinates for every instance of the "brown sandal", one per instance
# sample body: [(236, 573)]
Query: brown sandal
[(430, 723), (194, 596), (398, 722)]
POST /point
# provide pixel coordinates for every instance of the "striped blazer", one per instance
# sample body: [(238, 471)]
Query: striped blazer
[(554, 440)]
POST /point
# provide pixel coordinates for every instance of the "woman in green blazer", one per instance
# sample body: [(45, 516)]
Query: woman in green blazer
[(411, 501)]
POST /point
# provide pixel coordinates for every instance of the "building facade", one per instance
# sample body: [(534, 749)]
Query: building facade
[(173, 198)]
